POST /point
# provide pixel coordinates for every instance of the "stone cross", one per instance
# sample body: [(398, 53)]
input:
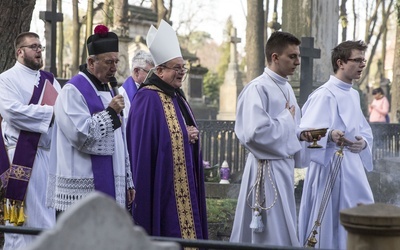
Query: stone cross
[(234, 40), (51, 18), (308, 53)]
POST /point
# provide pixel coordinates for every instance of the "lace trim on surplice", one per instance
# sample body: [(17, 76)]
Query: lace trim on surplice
[(63, 192), (100, 140)]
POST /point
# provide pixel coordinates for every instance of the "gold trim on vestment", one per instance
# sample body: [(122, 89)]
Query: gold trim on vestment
[(181, 183)]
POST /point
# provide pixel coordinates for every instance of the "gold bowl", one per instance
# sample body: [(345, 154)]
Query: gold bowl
[(316, 133)]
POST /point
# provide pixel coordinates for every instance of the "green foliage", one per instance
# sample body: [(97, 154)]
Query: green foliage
[(221, 210), (212, 82)]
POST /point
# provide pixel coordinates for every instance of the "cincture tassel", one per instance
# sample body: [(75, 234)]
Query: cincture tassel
[(256, 222), (259, 195), (6, 213)]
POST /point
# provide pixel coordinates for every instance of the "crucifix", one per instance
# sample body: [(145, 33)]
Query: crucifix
[(51, 18), (308, 53), (234, 40)]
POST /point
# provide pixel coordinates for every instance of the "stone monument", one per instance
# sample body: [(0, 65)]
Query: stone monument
[(97, 222), (192, 86), (372, 226), (232, 86)]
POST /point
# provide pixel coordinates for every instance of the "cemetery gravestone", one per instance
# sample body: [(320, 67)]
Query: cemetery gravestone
[(97, 222)]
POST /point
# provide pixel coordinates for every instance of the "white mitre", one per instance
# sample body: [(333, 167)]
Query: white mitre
[(163, 43)]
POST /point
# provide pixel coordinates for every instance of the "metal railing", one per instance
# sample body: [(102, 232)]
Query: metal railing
[(202, 244), (219, 143)]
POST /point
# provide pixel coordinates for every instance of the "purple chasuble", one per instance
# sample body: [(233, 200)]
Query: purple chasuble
[(102, 165), (15, 178), (130, 88), (167, 169)]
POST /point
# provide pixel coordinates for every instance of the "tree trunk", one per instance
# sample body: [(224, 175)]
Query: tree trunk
[(355, 20), (108, 15), (60, 45), (120, 13), (384, 40), (89, 27), (255, 39), (15, 18), (162, 12), (266, 12), (75, 39), (395, 89), (343, 18)]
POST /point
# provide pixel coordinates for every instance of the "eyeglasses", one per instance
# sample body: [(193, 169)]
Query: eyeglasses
[(34, 47), (145, 70), (357, 60), (177, 69)]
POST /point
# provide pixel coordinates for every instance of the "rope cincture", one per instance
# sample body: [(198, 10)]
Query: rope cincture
[(333, 172), (259, 189)]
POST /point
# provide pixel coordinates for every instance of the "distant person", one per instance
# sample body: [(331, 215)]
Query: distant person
[(89, 153), (27, 96), (379, 108), (336, 106), (267, 122), (142, 62), (164, 147)]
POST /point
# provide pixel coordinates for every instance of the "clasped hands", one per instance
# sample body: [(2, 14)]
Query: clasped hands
[(193, 134)]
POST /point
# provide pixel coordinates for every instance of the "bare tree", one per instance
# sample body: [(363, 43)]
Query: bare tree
[(372, 24), (266, 12), (395, 90), (76, 26), (108, 15), (343, 18), (60, 40), (15, 19), (255, 38), (384, 40), (355, 19), (120, 15), (162, 11)]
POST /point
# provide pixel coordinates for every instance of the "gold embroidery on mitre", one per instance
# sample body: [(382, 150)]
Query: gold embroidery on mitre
[(181, 184)]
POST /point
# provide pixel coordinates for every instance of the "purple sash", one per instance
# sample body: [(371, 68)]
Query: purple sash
[(102, 165), (130, 88), (15, 178)]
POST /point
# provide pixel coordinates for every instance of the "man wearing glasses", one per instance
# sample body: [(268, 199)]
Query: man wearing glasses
[(142, 62), (27, 111), (88, 153), (164, 147), (336, 106)]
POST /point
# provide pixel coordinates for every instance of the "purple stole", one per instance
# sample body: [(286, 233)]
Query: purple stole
[(15, 177), (130, 88), (102, 165)]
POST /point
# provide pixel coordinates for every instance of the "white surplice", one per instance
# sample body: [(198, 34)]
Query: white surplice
[(267, 129), (16, 88), (77, 131), (335, 105)]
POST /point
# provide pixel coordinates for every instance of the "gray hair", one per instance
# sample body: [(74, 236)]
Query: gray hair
[(141, 59)]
